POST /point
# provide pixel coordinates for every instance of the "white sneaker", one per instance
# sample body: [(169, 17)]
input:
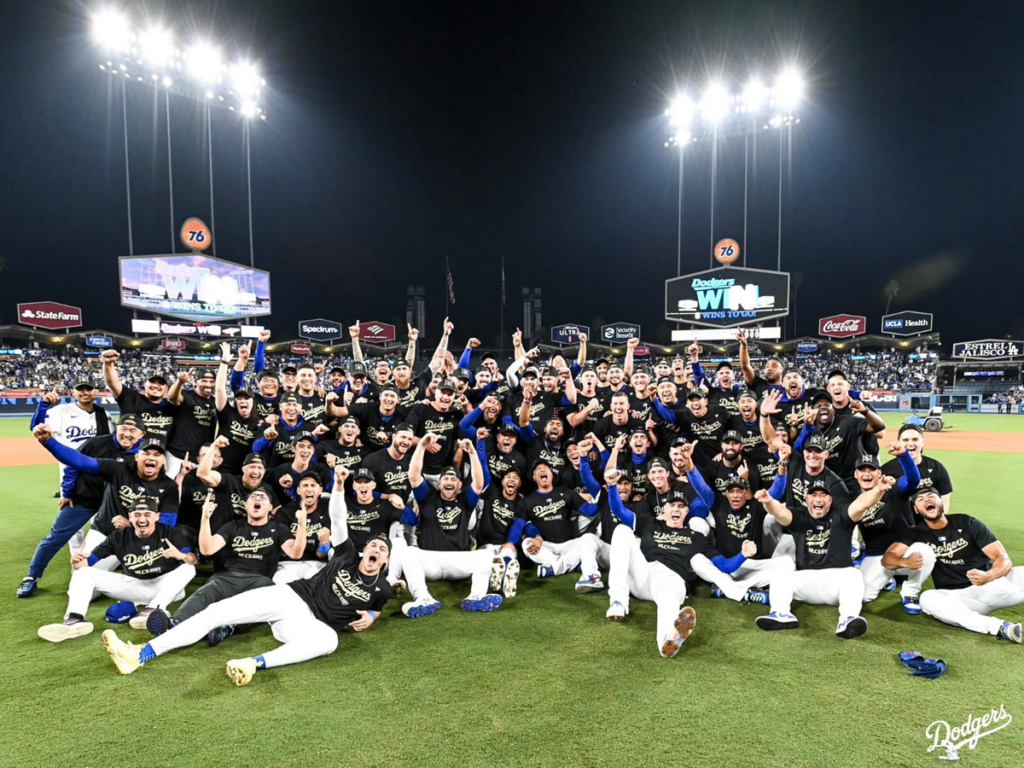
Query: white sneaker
[(591, 583), (616, 611), (511, 578), (497, 573), (58, 633), (399, 588), (138, 621), (419, 608), (241, 670)]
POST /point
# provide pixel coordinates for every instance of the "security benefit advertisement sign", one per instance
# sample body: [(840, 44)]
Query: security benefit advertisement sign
[(727, 297)]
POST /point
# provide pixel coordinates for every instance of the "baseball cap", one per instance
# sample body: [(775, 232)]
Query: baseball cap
[(642, 369), (337, 369), (404, 426), (121, 612), (258, 491), (638, 431), (819, 485), (508, 428), (401, 363), (141, 505), (130, 420), (357, 369), (836, 372), (290, 397), (928, 489), (659, 462), (816, 442), (677, 496), (540, 461), (867, 460), (790, 370), (461, 373), (735, 481), (253, 458), (208, 374), (482, 369), (304, 435), (266, 374), (290, 369), (696, 394), (744, 393), (733, 435), (666, 380), (818, 395), (531, 371), (309, 473), (349, 420), (662, 361), (449, 471), (446, 384), (243, 393), (363, 473), (83, 384), (383, 538), (601, 360), (158, 378), (389, 387), (152, 443)]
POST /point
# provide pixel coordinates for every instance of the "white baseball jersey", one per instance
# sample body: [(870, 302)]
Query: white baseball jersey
[(72, 426)]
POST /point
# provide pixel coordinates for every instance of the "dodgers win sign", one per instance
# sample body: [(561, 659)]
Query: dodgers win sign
[(727, 297)]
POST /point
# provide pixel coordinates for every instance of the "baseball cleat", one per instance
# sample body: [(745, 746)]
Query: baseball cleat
[(890, 585), (716, 593), (124, 655), (777, 620), (58, 633), (399, 588), (27, 587), (419, 608), (755, 596), (159, 622), (483, 604), (220, 634), (497, 573), (911, 605), (241, 670), (138, 621), (616, 611), (591, 583), (851, 626), (1011, 632), (511, 578), (544, 571), (684, 624)]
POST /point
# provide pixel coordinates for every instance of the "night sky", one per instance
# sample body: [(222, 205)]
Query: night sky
[(403, 132)]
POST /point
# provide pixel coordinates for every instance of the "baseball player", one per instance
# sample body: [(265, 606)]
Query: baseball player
[(390, 466), (237, 422), (824, 570), (73, 423), (305, 616), (157, 562), (81, 496), (973, 574), (933, 473), (446, 518), (276, 443), (151, 404), (437, 417), (368, 515), (195, 416), (308, 488), (284, 478), (230, 491)]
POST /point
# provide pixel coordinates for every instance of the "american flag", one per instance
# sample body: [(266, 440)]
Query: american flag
[(451, 284)]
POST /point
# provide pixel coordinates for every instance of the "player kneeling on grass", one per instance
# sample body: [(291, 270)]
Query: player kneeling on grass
[(157, 564), (655, 564), (824, 569), (305, 615), (446, 517), (973, 574)]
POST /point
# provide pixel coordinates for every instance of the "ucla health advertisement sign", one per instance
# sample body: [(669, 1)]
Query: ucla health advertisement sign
[(727, 296), (907, 323)]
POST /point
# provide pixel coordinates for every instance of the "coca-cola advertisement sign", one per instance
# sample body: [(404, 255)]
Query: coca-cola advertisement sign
[(842, 326)]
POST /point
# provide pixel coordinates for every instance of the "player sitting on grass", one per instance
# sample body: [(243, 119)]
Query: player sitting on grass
[(157, 564), (973, 574)]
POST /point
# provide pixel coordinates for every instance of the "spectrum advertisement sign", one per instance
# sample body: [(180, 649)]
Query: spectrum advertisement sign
[(727, 297)]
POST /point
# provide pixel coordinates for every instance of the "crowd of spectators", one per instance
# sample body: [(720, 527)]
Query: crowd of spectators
[(43, 369)]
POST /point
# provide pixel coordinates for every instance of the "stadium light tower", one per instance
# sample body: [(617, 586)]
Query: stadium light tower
[(753, 99), (714, 108), (787, 94), (680, 117)]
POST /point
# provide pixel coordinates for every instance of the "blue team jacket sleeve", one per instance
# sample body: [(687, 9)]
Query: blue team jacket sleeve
[(481, 452), (778, 488), (464, 358), (805, 433), (532, 530), (71, 457), (409, 517), (168, 518), (527, 433), (237, 379), (618, 509), (259, 360), (67, 485), (421, 490), (664, 411), (728, 564), (699, 377), (466, 425), (40, 415), (515, 531), (911, 474), (704, 491), (260, 445), (587, 475)]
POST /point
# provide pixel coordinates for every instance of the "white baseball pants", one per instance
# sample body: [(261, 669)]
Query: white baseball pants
[(630, 574), (826, 586), (421, 565), (304, 636), (293, 570), (90, 582), (753, 573), (562, 557), (92, 540), (876, 576), (969, 607), (594, 554)]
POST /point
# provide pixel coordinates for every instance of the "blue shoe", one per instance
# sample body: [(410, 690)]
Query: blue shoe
[(755, 596), (28, 586), (911, 605), (159, 622), (220, 634), (484, 604), (420, 608), (777, 620), (544, 571), (851, 626), (890, 585), (716, 593), (591, 583), (1011, 632)]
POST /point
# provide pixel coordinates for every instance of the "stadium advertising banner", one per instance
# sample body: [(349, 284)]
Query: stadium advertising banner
[(172, 345), (301, 349), (727, 297), (568, 333), (193, 287), (617, 332), (988, 349), (319, 330), (171, 328), (842, 326), (765, 333), (49, 315), (100, 342), (907, 323), (376, 333)]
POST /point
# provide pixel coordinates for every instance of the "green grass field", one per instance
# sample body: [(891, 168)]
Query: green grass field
[(546, 680)]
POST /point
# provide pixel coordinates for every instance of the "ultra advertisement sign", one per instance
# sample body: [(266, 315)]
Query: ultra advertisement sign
[(727, 297)]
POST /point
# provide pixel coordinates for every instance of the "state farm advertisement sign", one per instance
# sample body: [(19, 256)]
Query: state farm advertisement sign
[(842, 326), (376, 333), (49, 314)]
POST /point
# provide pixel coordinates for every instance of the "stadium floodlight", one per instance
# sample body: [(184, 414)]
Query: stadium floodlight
[(156, 47), (714, 103), (754, 96), (789, 88), (246, 80), (248, 109), (111, 31), (204, 63), (680, 112)]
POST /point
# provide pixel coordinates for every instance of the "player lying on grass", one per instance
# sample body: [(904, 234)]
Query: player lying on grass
[(157, 564), (973, 575), (305, 615)]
